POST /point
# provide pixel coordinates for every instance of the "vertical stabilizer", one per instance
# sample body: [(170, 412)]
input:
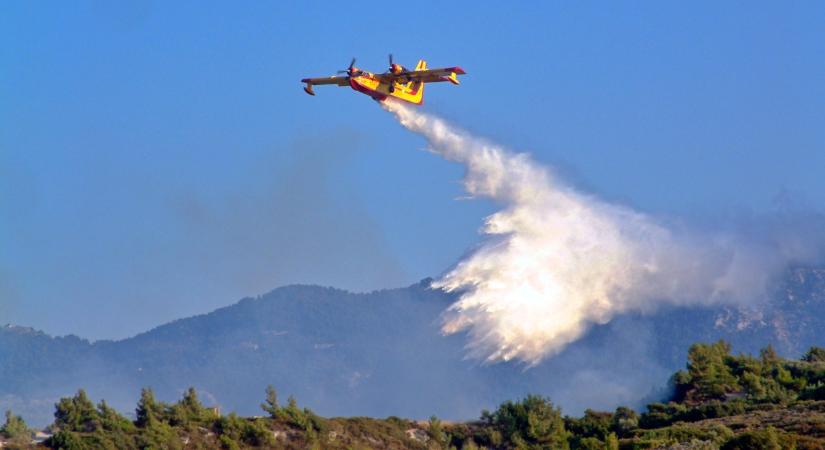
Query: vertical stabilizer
[(417, 90)]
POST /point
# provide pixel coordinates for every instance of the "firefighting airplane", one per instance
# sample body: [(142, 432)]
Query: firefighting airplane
[(398, 82)]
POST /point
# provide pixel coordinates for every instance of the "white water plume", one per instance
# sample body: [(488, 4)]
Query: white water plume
[(556, 261)]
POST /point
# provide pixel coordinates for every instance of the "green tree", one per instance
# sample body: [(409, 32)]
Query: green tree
[(251, 432), (661, 414), (469, 444), (271, 403), (158, 435), (230, 428), (305, 419), (153, 430), (111, 420), (532, 423), (710, 375), (293, 414), (813, 392), (148, 409), (436, 432), (752, 382), (612, 442), (227, 443), (291, 403), (76, 413), (589, 443), (115, 432), (65, 440), (815, 354), (624, 421), (592, 424), (14, 428), (189, 410), (768, 356)]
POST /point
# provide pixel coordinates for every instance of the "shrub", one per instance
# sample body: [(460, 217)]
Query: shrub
[(65, 440), (754, 440), (815, 354), (624, 421), (815, 392)]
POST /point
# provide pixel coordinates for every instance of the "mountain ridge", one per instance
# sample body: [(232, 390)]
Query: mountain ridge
[(345, 353)]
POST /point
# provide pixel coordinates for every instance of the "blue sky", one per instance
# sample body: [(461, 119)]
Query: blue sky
[(159, 159)]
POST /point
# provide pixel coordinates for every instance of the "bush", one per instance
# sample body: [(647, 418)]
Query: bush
[(253, 432), (815, 392), (228, 444), (65, 440), (624, 421), (588, 443), (815, 354), (661, 415), (754, 440), (158, 434), (592, 424), (686, 433)]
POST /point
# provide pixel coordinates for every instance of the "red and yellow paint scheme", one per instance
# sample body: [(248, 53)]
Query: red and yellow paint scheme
[(397, 82)]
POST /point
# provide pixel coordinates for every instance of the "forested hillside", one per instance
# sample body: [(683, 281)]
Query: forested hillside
[(345, 354), (720, 401)]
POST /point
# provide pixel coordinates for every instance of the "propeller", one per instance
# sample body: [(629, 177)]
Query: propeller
[(394, 68), (349, 69)]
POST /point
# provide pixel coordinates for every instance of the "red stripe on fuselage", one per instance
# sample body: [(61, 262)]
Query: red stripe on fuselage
[(365, 90)]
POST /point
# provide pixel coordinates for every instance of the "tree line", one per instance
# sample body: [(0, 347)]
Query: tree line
[(714, 385)]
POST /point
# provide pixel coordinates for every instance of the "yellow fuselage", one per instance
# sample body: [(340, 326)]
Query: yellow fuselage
[(412, 91)]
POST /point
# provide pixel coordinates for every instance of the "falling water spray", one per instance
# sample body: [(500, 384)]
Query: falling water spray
[(554, 261)]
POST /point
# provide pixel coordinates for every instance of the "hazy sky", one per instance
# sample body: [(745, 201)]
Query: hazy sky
[(160, 159)]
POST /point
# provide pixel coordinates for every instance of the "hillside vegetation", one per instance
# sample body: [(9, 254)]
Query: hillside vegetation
[(720, 401), (346, 353)]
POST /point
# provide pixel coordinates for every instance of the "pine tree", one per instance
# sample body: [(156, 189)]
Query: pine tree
[(14, 427), (436, 431), (148, 409), (271, 404), (77, 413)]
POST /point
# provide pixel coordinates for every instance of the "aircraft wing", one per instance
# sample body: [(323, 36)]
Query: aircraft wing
[(427, 75), (340, 81)]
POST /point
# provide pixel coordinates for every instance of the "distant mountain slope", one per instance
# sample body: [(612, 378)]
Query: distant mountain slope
[(381, 354)]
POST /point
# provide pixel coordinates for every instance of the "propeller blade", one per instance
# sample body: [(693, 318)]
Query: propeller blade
[(352, 63), (390, 59)]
